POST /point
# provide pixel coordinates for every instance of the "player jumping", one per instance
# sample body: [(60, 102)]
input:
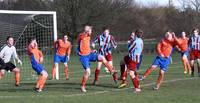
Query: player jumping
[(164, 50), (106, 43), (36, 58), (135, 47), (87, 55)]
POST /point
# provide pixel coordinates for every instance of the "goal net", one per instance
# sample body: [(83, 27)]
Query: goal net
[(23, 25)]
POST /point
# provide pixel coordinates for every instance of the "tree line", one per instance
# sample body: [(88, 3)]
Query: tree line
[(122, 16)]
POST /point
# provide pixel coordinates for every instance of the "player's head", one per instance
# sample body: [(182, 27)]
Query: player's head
[(168, 35), (183, 34), (138, 33), (106, 30), (195, 31), (88, 29), (10, 40), (65, 37), (32, 42)]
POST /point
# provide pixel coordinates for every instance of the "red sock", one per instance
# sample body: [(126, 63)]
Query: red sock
[(53, 72), (42, 82), (17, 78), (97, 72), (84, 80), (66, 72), (135, 82)]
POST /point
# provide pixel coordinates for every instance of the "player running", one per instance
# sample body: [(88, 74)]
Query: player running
[(6, 52), (164, 50), (135, 47), (194, 46), (183, 48), (106, 43), (63, 51), (36, 59), (87, 55)]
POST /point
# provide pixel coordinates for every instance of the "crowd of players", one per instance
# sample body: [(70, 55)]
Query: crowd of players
[(188, 47)]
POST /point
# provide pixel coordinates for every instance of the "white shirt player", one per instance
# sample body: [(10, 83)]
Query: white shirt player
[(7, 52)]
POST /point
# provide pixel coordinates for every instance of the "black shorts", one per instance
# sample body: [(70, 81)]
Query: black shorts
[(6, 66)]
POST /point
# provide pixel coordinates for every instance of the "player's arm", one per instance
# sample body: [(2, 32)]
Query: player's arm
[(159, 46), (16, 56), (41, 56), (96, 40), (2, 50), (114, 44), (69, 51)]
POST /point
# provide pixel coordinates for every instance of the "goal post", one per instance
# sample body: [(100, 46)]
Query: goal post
[(24, 24)]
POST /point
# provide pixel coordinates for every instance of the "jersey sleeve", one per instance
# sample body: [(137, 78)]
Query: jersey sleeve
[(69, 49), (96, 39), (14, 52), (159, 47), (114, 44), (2, 50)]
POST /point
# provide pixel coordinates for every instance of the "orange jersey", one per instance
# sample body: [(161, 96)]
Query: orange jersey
[(63, 48), (182, 44), (84, 44), (35, 52), (165, 47)]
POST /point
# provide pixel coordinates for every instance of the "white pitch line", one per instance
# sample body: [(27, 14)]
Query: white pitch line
[(98, 92)]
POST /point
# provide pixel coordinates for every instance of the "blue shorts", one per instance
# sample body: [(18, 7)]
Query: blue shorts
[(162, 62), (86, 59), (58, 59), (36, 66), (185, 53)]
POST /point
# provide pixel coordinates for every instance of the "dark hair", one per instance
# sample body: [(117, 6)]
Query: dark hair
[(195, 29), (105, 28), (138, 33), (31, 39), (8, 37)]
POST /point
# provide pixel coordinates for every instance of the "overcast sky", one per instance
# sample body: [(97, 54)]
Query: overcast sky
[(159, 2)]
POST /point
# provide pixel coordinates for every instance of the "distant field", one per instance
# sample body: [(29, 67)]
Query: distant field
[(178, 88)]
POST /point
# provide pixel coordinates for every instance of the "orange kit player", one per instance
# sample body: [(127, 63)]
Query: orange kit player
[(164, 49), (63, 51), (183, 48), (36, 58), (87, 55)]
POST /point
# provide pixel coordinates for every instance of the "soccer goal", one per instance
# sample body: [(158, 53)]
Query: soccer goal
[(25, 24)]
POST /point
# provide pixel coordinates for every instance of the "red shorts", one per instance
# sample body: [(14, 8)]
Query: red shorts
[(194, 54), (131, 65), (108, 57)]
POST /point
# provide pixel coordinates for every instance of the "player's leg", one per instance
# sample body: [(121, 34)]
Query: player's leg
[(11, 67), (109, 66), (85, 61), (192, 58), (135, 79), (198, 65), (65, 60), (97, 72), (86, 75), (42, 76), (17, 76), (152, 67), (2, 73), (160, 79), (184, 61), (148, 71), (55, 66), (123, 70), (187, 64)]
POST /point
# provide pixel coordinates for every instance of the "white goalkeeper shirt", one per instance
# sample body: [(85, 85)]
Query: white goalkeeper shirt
[(6, 52)]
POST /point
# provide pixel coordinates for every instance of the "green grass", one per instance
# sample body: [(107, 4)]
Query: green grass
[(178, 88)]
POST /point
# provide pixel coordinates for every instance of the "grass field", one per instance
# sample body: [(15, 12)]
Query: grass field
[(177, 88)]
